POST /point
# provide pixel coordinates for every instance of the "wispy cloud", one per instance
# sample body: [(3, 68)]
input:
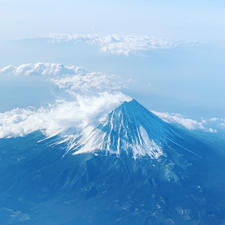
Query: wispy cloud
[(210, 125), (72, 79), (54, 119), (119, 44), (47, 69), (90, 82)]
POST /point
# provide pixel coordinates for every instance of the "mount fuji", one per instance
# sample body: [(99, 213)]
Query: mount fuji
[(129, 128), (131, 168)]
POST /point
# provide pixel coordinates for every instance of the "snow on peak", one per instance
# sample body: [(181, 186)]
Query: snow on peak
[(129, 128)]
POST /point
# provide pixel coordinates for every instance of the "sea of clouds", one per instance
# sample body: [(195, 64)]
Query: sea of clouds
[(82, 98)]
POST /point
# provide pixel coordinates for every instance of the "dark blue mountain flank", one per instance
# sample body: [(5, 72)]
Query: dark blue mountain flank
[(130, 169)]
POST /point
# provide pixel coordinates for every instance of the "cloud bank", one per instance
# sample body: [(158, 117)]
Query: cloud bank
[(57, 118), (45, 69), (91, 96), (210, 125), (119, 44), (90, 82), (73, 78)]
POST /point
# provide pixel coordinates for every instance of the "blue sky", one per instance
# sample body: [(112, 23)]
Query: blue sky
[(194, 20)]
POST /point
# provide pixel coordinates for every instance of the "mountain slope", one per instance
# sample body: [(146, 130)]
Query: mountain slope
[(131, 169)]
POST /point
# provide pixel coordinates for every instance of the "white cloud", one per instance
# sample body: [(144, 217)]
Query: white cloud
[(119, 44), (90, 83), (72, 78), (54, 119), (52, 69), (188, 123), (217, 122), (92, 95)]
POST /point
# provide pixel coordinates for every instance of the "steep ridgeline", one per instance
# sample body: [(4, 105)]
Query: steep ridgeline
[(130, 128)]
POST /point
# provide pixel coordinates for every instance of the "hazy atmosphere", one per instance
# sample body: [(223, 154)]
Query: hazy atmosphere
[(98, 93)]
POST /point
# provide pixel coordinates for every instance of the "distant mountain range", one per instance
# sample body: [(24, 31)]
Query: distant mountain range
[(132, 168)]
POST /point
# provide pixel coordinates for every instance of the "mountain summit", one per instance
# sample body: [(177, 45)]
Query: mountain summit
[(130, 128)]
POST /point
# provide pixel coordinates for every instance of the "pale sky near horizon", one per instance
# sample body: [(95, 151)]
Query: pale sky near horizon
[(179, 20)]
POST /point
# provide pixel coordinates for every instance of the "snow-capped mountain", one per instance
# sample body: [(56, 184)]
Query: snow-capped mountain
[(129, 128), (131, 168)]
